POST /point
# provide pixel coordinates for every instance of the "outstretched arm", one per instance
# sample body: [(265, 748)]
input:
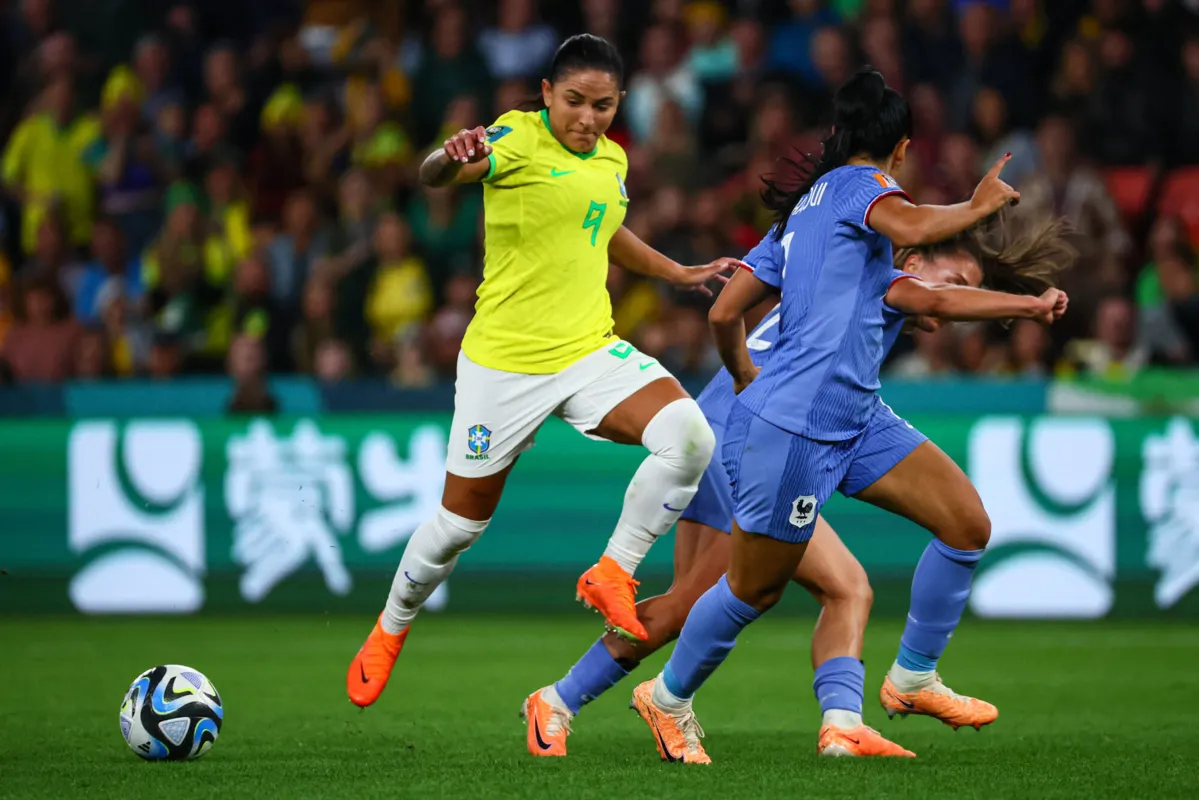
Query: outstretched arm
[(962, 303), (909, 225), (462, 159), (627, 250), (743, 294)]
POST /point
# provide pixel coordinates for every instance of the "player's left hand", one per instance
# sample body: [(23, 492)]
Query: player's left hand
[(921, 322), (696, 278), (1051, 306)]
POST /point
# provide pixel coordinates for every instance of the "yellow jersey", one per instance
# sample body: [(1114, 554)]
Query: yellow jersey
[(549, 214)]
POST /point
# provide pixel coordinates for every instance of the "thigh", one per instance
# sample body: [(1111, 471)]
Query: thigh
[(496, 417), (780, 481), (613, 393), (887, 440), (828, 568), (929, 489)]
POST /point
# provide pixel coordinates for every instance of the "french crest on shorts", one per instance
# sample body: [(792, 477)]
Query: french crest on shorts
[(478, 441)]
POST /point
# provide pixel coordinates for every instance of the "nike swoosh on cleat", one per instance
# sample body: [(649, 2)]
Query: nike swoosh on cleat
[(662, 742), (537, 732), (906, 704), (362, 670), (855, 741), (675, 510)]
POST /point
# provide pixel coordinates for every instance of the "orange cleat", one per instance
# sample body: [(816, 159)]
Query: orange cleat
[(939, 702), (370, 669), (611, 591), (677, 737), (548, 724), (862, 741)]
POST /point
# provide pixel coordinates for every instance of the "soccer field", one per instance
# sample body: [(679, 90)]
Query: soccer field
[(1098, 710)]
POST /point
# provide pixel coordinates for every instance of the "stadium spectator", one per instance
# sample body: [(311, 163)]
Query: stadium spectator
[(214, 143)]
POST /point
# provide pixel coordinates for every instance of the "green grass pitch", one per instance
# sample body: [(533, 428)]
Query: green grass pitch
[(1086, 710)]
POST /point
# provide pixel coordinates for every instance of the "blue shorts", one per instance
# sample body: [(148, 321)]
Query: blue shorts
[(780, 481), (713, 503)]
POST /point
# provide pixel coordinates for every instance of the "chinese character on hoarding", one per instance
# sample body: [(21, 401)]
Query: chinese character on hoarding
[(1170, 503), (290, 499)]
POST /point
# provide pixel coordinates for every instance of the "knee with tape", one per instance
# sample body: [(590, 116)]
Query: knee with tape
[(453, 534), (680, 434)]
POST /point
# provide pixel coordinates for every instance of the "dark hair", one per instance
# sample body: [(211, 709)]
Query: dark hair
[(586, 51), (869, 118)]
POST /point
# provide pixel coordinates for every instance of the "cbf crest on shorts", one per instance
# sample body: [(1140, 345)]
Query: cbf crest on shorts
[(478, 442)]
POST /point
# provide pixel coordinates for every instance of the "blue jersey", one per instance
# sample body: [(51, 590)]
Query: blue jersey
[(834, 328), (766, 261)]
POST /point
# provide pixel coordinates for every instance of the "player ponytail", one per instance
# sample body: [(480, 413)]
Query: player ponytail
[(869, 119), (1023, 254), (1018, 253)]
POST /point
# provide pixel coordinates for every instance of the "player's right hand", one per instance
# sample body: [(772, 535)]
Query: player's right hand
[(992, 194), (1050, 306), (468, 147)]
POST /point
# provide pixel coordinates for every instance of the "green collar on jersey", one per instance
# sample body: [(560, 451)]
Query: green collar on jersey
[(545, 120)]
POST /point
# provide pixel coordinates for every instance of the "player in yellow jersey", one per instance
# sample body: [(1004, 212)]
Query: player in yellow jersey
[(541, 343)]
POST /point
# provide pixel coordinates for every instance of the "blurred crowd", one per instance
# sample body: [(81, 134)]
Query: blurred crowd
[(219, 186)]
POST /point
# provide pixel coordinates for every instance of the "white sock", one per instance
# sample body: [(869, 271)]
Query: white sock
[(841, 718), (428, 560), (907, 680), (550, 695), (680, 444), (666, 701)]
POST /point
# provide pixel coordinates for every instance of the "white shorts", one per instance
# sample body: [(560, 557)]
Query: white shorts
[(497, 414)]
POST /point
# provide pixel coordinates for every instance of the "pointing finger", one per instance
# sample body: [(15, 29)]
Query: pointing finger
[(999, 165)]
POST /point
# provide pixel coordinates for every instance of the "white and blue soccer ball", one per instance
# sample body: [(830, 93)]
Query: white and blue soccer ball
[(171, 713)]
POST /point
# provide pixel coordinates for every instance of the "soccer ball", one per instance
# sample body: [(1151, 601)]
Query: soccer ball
[(171, 713)]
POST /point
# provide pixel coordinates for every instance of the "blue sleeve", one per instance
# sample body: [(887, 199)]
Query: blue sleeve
[(862, 189), (766, 260)]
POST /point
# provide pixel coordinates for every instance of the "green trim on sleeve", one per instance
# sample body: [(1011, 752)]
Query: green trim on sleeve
[(490, 166)]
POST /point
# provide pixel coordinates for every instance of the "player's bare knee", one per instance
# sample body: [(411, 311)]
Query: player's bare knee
[(848, 589), (679, 433), (971, 530), (760, 596)]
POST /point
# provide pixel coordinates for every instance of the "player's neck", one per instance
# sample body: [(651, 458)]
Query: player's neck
[(862, 161)]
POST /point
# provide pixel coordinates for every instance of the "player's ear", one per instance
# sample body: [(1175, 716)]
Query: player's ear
[(547, 92), (898, 155)]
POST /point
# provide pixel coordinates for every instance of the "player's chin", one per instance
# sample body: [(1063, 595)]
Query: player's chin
[(583, 142)]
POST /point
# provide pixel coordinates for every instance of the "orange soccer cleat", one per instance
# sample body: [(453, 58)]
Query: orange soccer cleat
[(677, 737), (939, 702), (370, 669), (549, 725), (611, 591), (861, 741)]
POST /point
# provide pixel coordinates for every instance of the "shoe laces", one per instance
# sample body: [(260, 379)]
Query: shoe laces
[(938, 687), (690, 728), (558, 722)]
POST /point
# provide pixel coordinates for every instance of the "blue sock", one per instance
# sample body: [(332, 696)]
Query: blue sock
[(595, 673), (940, 589), (840, 683), (708, 635)]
